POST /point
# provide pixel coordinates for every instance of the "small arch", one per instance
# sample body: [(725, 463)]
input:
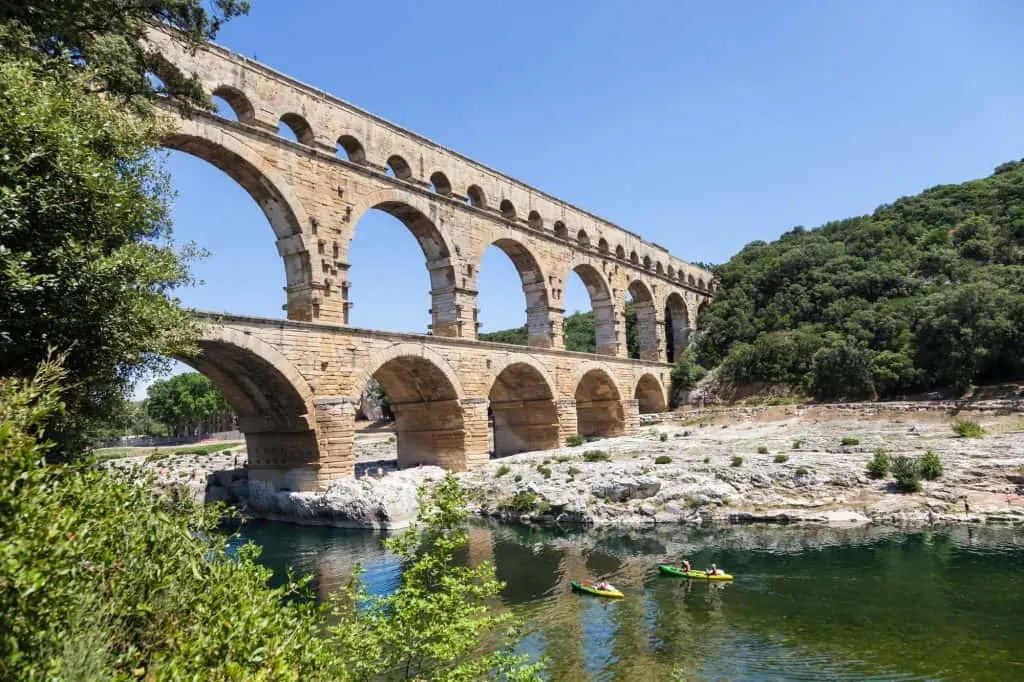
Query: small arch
[(602, 245), (649, 395), (677, 327), (691, 280), (440, 184), (659, 268), (535, 221), (476, 197), (351, 149), (561, 230), (582, 238), (523, 408), (646, 320), (671, 272), (399, 167), (508, 211), (299, 128), (647, 262), (598, 405), (601, 304), (535, 293), (633, 258), (620, 252), (237, 102)]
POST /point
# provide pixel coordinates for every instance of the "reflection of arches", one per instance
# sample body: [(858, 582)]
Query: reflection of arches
[(534, 289), (646, 320), (598, 405), (476, 196), (352, 148), (677, 327), (425, 397), (399, 167), (299, 127), (605, 341), (440, 183), (239, 103), (522, 402), (649, 395)]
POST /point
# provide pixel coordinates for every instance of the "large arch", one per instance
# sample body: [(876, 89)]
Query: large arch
[(649, 394), (534, 282), (274, 404), (522, 404), (605, 341), (646, 320), (677, 327), (426, 400), (599, 410)]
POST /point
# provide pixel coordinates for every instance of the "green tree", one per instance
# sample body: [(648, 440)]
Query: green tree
[(188, 404)]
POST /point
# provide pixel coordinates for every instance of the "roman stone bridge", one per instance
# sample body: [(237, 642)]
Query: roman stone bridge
[(294, 383)]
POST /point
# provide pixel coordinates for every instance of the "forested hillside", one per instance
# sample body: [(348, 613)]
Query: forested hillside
[(925, 293)]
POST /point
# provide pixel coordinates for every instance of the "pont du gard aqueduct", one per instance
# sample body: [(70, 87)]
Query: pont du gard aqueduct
[(295, 383)]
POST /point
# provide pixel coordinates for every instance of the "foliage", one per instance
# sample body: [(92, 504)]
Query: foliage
[(802, 471), (663, 437), (930, 466), (185, 402), (686, 372), (707, 460), (965, 428), (849, 440), (544, 471), (737, 461), (523, 501), (574, 440), (781, 459), (907, 473), (502, 470), (572, 471), (578, 331), (879, 465), (762, 449), (925, 293), (596, 456), (662, 459)]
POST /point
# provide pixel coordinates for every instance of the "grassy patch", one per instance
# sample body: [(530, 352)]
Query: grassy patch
[(797, 444), (762, 449), (849, 440), (879, 465), (662, 459), (802, 471), (574, 440), (544, 471), (663, 437), (737, 461), (965, 428), (707, 460), (573, 471), (502, 470), (781, 459), (596, 456)]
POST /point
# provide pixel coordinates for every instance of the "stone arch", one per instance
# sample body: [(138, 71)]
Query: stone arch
[(439, 181), (298, 125), (561, 230), (647, 262), (426, 399), (583, 239), (671, 272), (633, 258), (602, 245), (691, 280), (535, 290), (620, 252), (522, 405), (599, 410), (659, 268), (400, 167), (646, 320), (476, 197), (677, 326), (650, 394), (508, 210), (700, 283), (239, 103), (605, 338), (535, 221), (353, 148)]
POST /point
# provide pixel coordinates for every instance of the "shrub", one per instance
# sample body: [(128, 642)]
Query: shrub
[(707, 460), (596, 456), (762, 449), (930, 466), (523, 502), (502, 470), (781, 459), (562, 459), (544, 471), (737, 461), (879, 465), (662, 459), (850, 440), (797, 444), (907, 474), (573, 471), (965, 428), (574, 440), (802, 471), (517, 478), (663, 437)]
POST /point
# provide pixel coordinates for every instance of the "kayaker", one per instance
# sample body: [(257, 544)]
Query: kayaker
[(605, 586), (686, 565), (713, 570)]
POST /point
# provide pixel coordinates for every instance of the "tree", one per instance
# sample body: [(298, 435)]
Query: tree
[(188, 404)]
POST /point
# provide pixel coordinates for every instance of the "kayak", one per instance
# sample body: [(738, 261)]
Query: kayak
[(590, 589), (672, 570)]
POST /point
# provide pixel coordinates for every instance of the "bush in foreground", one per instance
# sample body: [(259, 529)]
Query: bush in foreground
[(574, 440), (907, 473), (879, 465), (662, 459), (930, 466), (737, 461), (965, 428), (850, 440), (596, 456), (781, 459)]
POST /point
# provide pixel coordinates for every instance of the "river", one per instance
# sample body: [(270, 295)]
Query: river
[(868, 603)]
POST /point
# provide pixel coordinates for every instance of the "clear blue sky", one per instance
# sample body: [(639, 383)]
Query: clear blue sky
[(700, 126)]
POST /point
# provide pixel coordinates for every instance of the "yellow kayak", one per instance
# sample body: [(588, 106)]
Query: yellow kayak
[(672, 570), (587, 588)]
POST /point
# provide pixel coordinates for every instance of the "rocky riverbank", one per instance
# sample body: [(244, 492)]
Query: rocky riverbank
[(739, 465)]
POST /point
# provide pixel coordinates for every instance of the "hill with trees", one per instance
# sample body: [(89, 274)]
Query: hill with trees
[(925, 293)]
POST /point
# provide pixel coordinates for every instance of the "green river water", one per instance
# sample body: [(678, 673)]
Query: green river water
[(807, 603)]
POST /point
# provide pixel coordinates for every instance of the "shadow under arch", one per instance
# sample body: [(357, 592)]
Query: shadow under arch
[(274, 404), (599, 410), (538, 320), (649, 394), (677, 327), (522, 402)]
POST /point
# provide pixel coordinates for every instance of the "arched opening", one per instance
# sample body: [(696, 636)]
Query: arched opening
[(583, 239), (476, 197), (235, 104), (428, 414), (508, 211), (394, 282), (439, 183), (535, 221), (294, 127), (523, 407), (659, 268), (598, 406), (398, 167), (700, 284), (649, 396), (671, 272), (590, 328), (691, 280), (561, 230), (350, 149), (500, 321), (633, 258), (647, 262), (646, 335), (602, 245), (223, 203), (677, 327), (620, 252)]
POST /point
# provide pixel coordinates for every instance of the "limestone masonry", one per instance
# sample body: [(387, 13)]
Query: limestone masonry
[(295, 383)]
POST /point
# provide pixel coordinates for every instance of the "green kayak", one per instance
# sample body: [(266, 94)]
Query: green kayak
[(672, 570), (587, 588)]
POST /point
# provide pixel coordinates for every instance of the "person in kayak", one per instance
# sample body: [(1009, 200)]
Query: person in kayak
[(686, 565), (714, 570), (606, 586)]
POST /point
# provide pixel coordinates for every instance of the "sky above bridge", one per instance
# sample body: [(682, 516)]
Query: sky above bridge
[(700, 126)]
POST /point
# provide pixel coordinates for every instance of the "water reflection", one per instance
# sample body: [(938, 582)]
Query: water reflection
[(811, 603)]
